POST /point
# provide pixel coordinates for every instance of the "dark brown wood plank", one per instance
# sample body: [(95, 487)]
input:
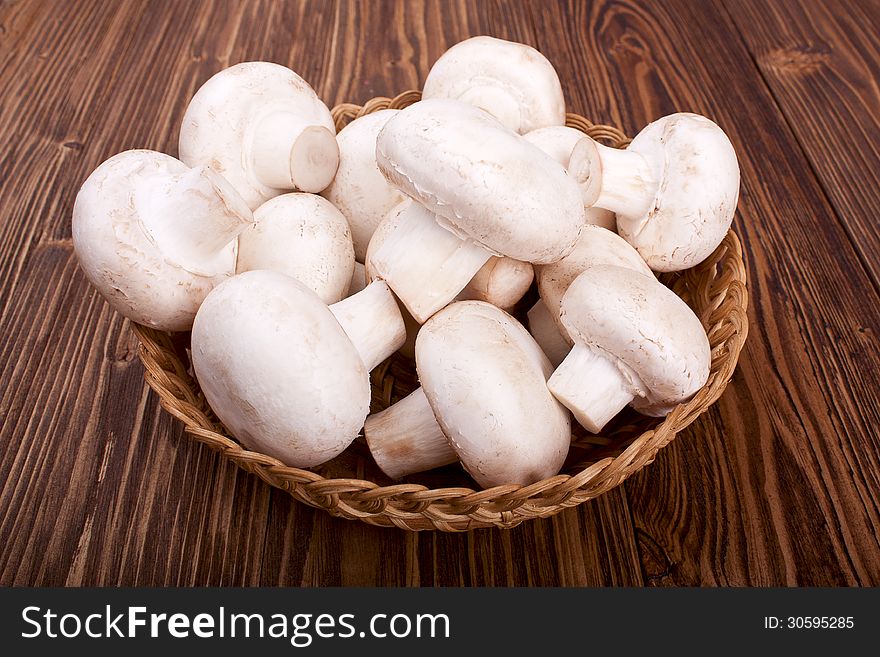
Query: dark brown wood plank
[(588, 546), (822, 62), (118, 495), (774, 484), (98, 485), (385, 47)]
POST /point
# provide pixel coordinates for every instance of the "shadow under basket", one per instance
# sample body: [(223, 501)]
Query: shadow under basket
[(352, 486)]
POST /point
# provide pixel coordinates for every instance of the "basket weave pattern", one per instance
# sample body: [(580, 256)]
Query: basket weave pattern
[(353, 487)]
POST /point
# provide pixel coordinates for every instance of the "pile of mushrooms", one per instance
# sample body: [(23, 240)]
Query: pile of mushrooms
[(301, 259)]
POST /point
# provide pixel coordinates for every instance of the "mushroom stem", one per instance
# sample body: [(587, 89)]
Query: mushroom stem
[(193, 217), (425, 264), (618, 180), (406, 438), (591, 387), (546, 333), (501, 282), (358, 279), (291, 153), (372, 321)]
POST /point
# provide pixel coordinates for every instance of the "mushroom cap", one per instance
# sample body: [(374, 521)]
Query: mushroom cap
[(483, 181), (486, 381), (558, 141), (221, 119), (698, 174), (596, 246), (120, 258), (512, 81), (359, 189), (278, 370), (303, 236), (644, 327)]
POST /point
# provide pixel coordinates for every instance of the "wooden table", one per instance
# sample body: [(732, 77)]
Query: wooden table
[(776, 485)]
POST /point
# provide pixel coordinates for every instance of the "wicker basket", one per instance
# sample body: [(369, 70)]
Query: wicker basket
[(352, 486)]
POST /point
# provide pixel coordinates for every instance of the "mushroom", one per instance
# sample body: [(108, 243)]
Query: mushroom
[(304, 236), (155, 236), (512, 81), (484, 400), (405, 438), (674, 189), (286, 374), (481, 190), (543, 327), (558, 141), (596, 246), (500, 281), (359, 189), (385, 227), (635, 342), (264, 128), (358, 279)]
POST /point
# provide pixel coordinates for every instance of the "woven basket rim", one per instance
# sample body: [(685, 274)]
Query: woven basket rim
[(414, 506)]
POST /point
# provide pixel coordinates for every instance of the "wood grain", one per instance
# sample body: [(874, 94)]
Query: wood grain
[(820, 62), (776, 485), (791, 450)]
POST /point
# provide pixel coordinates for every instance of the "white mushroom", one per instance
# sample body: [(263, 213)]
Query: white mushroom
[(558, 141), (372, 320), (635, 341), (596, 246), (484, 389), (154, 236), (359, 189), (287, 375), (674, 189), (383, 230), (304, 236), (544, 328), (512, 81), (264, 128), (500, 281), (481, 190), (358, 279), (388, 225), (405, 438)]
